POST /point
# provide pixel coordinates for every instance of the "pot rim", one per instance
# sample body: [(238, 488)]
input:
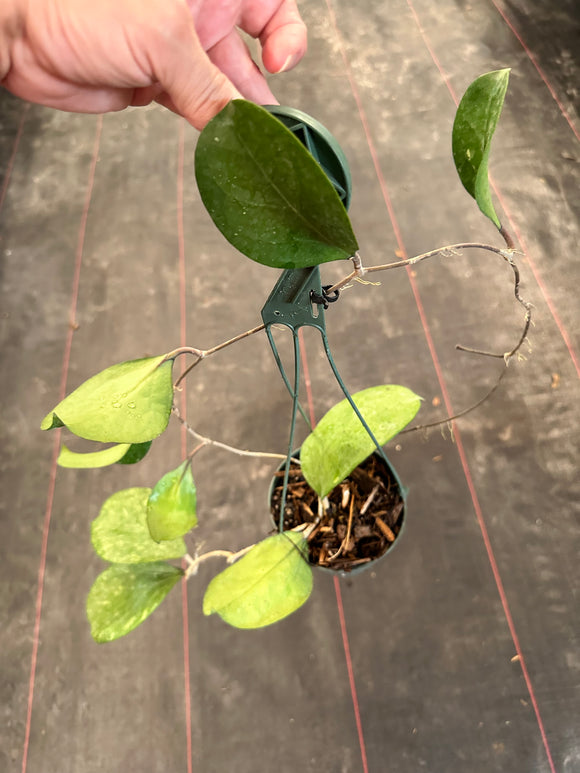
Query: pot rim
[(403, 491)]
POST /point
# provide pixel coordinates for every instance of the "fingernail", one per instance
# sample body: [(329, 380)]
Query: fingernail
[(288, 64)]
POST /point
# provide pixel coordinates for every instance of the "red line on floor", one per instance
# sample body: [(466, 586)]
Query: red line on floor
[(434, 57), (10, 164), (502, 595), (186, 671), (56, 444), (541, 73), (337, 590), (350, 670), (183, 411), (440, 377)]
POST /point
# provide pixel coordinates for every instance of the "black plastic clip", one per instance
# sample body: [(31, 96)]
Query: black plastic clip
[(325, 298)]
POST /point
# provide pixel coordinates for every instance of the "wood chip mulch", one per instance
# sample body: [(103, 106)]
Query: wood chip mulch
[(363, 519)]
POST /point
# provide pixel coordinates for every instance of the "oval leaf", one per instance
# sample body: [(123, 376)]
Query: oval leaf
[(269, 583), (104, 458), (267, 194), (171, 510), (473, 129), (339, 442), (119, 534), (126, 403), (123, 596)]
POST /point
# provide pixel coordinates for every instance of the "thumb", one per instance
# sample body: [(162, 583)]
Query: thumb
[(193, 86)]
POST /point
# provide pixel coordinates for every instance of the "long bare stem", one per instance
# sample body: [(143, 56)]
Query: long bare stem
[(459, 414), (507, 255), (183, 350), (234, 340), (201, 354), (507, 237), (527, 306), (205, 441), (449, 249), (193, 563)]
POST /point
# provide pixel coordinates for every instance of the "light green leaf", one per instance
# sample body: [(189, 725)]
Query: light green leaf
[(122, 453), (104, 458), (267, 194), (267, 584), (339, 442), (475, 123), (171, 508), (126, 403), (123, 596), (120, 534)]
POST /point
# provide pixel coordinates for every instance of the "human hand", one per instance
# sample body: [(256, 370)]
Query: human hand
[(105, 55)]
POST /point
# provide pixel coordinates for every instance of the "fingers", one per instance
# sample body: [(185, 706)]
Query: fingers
[(282, 35), (146, 95), (193, 86), (46, 90), (232, 57)]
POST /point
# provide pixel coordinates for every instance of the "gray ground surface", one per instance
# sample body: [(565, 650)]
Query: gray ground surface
[(463, 646)]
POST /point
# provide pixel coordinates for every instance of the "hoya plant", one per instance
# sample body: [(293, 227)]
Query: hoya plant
[(280, 204)]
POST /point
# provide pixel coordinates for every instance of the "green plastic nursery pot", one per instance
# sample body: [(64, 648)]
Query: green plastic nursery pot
[(321, 144), (371, 536)]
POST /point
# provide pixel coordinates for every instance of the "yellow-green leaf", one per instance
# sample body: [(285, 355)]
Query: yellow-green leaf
[(120, 534), (122, 453), (122, 597), (267, 584), (93, 459), (171, 509), (126, 403), (339, 442)]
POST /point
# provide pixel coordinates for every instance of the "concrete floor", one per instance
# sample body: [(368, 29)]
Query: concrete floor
[(461, 652)]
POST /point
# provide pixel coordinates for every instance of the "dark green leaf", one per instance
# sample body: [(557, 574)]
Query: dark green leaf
[(123, 596), (135, 453), (339, 442), (126, 403), (120, 533), (51, 422), (267, 194), (267, 584), (473, 129), (171, 508)]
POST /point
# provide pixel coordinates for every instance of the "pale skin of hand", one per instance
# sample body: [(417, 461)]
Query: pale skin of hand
[(97, 56)]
